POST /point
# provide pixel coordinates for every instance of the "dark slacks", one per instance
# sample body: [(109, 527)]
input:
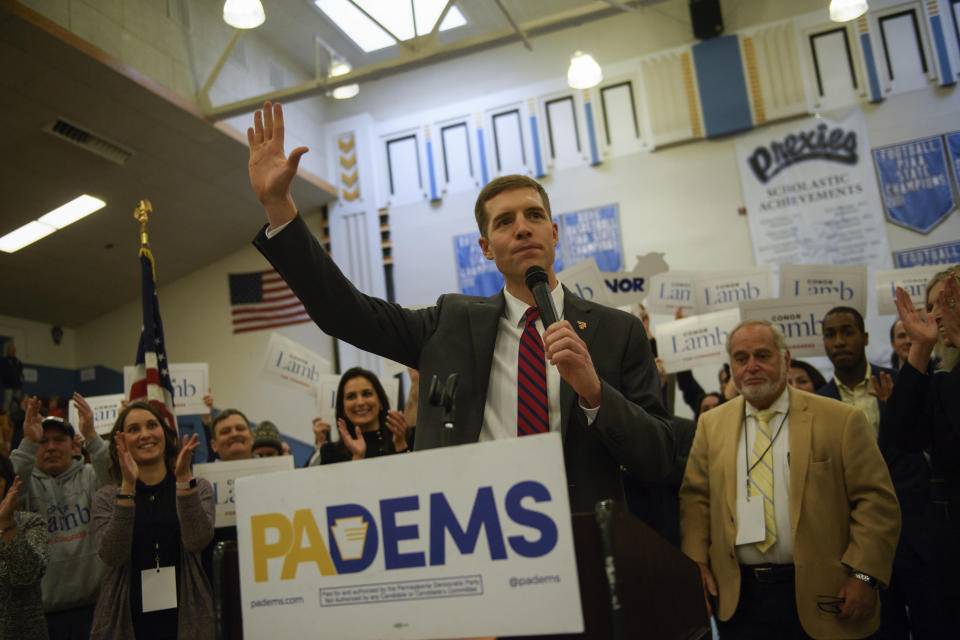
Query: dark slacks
[(70, 624), (767, 607)]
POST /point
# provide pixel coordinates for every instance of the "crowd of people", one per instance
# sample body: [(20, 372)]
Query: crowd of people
[(812, 507)]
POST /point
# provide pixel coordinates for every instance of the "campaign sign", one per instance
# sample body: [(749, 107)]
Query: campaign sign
[(914, 281), (670, 291), (455, 542), (696, 341), (293, 365), (223, 475), (844, 285), (190, 383), (915, 183), (728, 289), (585, 280), (105, 410), (631, 287), (800, 319)]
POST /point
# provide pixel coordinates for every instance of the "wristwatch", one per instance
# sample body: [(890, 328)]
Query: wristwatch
[(190, 484), (870, 580)]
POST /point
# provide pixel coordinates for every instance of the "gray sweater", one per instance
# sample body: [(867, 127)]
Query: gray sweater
[(22, 563), (113, 533), (64, 502)]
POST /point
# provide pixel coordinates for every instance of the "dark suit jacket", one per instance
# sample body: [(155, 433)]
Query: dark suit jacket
[(457, 335)]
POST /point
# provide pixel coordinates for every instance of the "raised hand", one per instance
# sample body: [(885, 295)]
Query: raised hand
[(919, 326), (949, 310), (129, 470), (33, 422), (882, 386), (182, 468), (9, 504), (356, 445), (271, 171), (86, 427), (398, 427)]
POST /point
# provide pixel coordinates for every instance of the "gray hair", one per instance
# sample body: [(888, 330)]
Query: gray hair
[(779, 341)]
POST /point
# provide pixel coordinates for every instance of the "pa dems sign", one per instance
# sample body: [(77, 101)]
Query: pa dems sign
[(465, 541)]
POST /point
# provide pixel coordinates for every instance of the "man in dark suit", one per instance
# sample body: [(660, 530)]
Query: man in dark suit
[(861, 384), (602, 394)]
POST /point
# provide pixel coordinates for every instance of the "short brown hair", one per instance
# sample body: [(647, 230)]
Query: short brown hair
[(506, 183)]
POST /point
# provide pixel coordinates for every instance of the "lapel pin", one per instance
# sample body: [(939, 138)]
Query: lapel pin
[(581, 324)]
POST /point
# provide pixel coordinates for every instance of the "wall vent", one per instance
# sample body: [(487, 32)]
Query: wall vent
[(89, 141)]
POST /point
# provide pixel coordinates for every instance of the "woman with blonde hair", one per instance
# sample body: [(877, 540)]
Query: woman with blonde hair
[(923, 414)]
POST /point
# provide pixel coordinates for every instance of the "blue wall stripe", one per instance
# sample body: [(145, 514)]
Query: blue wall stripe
[(723, 88), (433, 175), (591, 134), (482, 150), (536, 146), (875, 95), (946, 73)]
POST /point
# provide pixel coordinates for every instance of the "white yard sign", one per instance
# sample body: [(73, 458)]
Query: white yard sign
[(457, 542), (914, 281), (697, 341), (105, 410), (190, 382), (843, 285), (293, 365), (223, 474), (800, 319)]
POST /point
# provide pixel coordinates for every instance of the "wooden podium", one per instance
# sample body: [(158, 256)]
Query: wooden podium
[(659, 587)]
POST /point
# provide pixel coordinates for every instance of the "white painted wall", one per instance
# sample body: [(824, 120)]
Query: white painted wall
[(35, 345)]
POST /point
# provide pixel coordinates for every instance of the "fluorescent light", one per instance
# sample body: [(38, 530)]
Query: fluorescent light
[(846, 10), (243, 14), (339, 67), (72, 211), (346, 91), (25, 235), (584, 72), (395, 15)]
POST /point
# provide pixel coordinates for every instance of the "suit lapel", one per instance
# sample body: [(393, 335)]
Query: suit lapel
[(484, 322), (731, 446), (801, 432), (584, 323)]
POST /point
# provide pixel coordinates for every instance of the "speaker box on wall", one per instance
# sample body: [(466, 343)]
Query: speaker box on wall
[(706, 18)]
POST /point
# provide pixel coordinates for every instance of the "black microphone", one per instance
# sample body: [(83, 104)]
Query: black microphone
[(539, 285)]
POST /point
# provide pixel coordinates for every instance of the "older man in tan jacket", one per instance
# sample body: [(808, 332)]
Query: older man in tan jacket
[(786, 504)]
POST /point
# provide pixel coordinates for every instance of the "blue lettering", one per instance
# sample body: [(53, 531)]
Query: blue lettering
[(370, 545), (393, 534), (484, 515), (533, 519)]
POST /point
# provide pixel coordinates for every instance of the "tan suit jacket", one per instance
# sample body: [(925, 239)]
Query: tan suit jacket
[(843, 511)]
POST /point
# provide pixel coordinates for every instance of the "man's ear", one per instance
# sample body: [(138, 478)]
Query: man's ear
[(556, 234), (213, 445), (866, 338), (485, 247)]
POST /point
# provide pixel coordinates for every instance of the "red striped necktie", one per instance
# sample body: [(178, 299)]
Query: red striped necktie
[(532, 415)]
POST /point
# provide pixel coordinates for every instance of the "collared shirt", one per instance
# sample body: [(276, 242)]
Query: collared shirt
[(859, 397), (782, 550), (500, 411)]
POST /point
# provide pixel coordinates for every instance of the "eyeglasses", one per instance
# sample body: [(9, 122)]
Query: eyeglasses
[(830, 604)]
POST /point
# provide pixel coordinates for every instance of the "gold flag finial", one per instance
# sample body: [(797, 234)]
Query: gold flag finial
[(142, 214)]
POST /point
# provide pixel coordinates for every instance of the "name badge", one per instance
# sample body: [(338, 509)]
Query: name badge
[(751, 526), (159, 588)]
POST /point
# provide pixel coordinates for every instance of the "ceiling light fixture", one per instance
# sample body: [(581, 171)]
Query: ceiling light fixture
[(584, 72), (346, 91), (59, 218), (846, 10), (339, 67), (243, 14)]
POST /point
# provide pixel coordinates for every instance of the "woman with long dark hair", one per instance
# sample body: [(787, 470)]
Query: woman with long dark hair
[(150, 528), (367, 426)]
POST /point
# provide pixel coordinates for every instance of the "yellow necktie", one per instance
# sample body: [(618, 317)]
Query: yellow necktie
[(761, 476)]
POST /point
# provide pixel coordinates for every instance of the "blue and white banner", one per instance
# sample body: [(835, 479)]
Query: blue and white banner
[(953, 148), (592, 233), (476, 276), (811, 194), (479, 546), (945, 253), (915, 182)]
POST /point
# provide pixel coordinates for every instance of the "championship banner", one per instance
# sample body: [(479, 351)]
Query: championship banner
[(800, 319), (293, 365), (811, 194), (915, 182), (944, 253), (190, 382), (844, 285), (914, 281), (696, 341), (591, 233), (585, 280), (105, 410), (476, 276), (670, 291), (727, 289), (454, 542), (953, 148), (223, 474)]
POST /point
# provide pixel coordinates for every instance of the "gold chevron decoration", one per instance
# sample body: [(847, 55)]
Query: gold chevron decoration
[(350, 196), (347, 162), (348, 179), (346, 146)]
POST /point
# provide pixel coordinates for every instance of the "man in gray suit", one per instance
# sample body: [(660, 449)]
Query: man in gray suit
[(600, 381)]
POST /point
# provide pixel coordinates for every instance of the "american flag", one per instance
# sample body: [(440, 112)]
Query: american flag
[(262, 300), (151, 381)]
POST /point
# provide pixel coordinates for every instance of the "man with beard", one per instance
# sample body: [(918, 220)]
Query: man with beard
[(786, 504)]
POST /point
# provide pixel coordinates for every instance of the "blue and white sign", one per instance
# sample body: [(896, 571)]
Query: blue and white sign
[(800, 319), (585, 280), (727, 289), (476, 276), (840, 284), (105, 410), (190, 383), (946, 253), (223, 475), (915, 183), (592, 233), (469, 541), (294, 365), (913, 281), (698, 341)]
